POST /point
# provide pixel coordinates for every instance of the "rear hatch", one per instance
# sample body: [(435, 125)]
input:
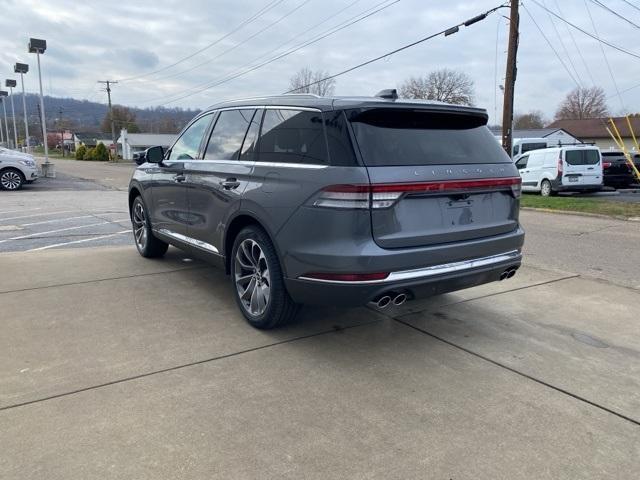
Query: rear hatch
[(615, 163), (582, 166), (437, 176)]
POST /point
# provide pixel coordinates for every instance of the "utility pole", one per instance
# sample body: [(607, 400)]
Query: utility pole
[(61, 130), (510, 80), (113, 125)]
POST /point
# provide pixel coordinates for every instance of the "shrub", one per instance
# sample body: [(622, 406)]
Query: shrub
[(101, 153), (80, 152), (89, 154)]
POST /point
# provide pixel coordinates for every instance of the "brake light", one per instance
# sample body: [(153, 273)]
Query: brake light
[(384, 195), (347, 277), (560, 165), (606, 164)]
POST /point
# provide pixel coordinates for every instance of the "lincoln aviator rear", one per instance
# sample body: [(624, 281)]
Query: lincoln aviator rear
[(333, 201)]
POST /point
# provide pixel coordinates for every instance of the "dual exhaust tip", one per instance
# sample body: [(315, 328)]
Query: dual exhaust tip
[(508, 273), (389, 298)]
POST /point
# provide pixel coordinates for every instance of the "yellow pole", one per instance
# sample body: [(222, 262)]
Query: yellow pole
[(633, 135), (623, 147)]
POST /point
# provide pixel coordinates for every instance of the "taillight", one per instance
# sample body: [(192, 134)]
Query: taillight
[(385, 195), (606, 164), (560, 165)]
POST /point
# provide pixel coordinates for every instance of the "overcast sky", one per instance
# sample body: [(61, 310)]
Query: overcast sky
[(92, 40)]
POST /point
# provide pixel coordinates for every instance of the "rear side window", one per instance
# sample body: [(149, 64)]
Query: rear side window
[(582, 157), (394, 137), (527, 147), (292, 136), (228, 134), (341, 151)]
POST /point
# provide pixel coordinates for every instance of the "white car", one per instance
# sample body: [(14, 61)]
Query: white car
[(561, 169), (16, 169)]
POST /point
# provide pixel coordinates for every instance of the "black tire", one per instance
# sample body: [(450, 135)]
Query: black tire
[(11, 179), (545, 189), (147, 244), (258, 265)]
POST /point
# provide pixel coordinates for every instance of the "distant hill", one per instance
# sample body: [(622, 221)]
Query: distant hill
[(85, 116)]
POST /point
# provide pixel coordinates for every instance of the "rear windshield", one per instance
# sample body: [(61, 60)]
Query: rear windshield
[(582, 157), (393, 137)]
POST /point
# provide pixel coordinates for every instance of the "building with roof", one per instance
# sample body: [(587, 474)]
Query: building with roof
[(131, 143), (593, 130), (90, 139), (556, 135)]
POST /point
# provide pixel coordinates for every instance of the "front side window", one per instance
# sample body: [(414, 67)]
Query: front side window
[(522, 162), (292, 136), (188, 145), (228, 134)]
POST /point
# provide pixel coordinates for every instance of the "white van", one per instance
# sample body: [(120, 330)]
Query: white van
[(561, 169), (520, 146)]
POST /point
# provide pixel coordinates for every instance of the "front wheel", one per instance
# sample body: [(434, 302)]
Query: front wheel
[(147, 244), (11, 179), (258, 282)]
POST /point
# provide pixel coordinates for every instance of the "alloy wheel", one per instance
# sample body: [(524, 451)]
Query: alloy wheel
[(139, 221), (252, 278), (10, 180)]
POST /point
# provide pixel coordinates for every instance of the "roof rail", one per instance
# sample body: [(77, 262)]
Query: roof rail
[(312, 95)]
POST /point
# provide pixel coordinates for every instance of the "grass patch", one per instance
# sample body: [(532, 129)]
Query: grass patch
[(583, 205)]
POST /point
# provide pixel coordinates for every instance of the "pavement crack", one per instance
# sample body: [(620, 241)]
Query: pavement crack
[(187, 365), (518, 372)]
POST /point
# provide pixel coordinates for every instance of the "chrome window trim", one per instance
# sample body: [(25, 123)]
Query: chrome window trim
[(431, 271), (268, 107), (251, 163), (191, 241)]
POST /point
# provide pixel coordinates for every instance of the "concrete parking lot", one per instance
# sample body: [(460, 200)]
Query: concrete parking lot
[(114, 366)]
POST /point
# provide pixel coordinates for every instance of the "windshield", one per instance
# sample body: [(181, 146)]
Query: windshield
[(388, 137)]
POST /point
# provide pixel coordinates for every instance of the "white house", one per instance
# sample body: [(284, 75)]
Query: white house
[(555, 135), (130, 143)]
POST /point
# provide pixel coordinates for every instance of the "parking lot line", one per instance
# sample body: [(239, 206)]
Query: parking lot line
[(38, 215), (63, 230), (54, 220), (20, 211), (79, 241)]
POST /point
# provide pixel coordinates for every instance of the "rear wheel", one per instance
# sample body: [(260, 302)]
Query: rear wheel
[(147, 244), (545, 188), (11, 179), (258, 282)]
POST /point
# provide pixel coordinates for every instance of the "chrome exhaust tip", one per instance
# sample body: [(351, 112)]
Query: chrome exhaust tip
[(511, 273), (504, 274), (383, 302), (400, 299)]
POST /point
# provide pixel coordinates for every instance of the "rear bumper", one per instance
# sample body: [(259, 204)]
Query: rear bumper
[(558, 186), (618, 179), (417, 283)]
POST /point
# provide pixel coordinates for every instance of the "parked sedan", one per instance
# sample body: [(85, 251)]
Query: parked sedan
[(616, 170), (16, 169)]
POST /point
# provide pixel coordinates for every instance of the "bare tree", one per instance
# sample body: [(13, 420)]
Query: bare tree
[(450, 86), (533, 119), (583, 103), (309, 81)]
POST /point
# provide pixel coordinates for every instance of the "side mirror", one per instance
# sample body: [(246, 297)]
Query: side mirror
[(151, 155)]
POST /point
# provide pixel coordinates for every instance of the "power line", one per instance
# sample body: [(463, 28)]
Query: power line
[(613, 78), (605, 42), (555, 29), (600, 4), (551, 46), (451, 29), (631, 5), (575, 44), (242, 24), (206, 62), (238, 73)]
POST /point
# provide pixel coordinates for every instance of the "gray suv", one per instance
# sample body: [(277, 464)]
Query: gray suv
[(335, 201)]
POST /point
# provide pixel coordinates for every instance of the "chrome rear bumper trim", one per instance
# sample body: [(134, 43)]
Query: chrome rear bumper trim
[(431, 271)]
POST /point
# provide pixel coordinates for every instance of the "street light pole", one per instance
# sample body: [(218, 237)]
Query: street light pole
[(12, 83), (1, 132), (23, 68), (38, 46), (4, 108)]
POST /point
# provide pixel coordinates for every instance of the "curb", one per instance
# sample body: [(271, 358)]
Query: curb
[(581, 214)]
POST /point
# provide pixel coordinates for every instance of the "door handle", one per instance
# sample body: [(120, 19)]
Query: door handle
[(230, 184), (179, 178)]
